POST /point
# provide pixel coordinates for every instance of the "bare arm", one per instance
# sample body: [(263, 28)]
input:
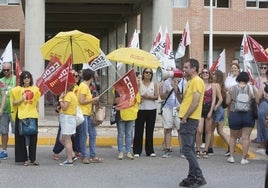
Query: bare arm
[(83, 101), (218, 95)]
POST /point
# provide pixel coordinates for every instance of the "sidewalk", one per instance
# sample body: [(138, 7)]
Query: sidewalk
[(107, 136)]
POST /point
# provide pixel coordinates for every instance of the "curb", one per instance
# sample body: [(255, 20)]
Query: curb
[(108, 141)]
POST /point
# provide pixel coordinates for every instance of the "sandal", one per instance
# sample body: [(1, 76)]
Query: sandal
[(96, 160), (35, 163), (198, 154)]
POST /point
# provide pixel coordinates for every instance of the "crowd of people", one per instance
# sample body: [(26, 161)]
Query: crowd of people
[(191, 105)]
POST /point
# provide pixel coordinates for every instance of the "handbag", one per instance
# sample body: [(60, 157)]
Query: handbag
[(113, 115), (79, 117), (99, 115), (27, 126)]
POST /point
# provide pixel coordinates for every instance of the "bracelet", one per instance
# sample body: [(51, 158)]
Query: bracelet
[(60, 100)]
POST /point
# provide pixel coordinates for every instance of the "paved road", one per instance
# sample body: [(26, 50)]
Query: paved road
[(143, 172)]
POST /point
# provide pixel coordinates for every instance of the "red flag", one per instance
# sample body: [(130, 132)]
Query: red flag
[(251, 79), (53, 65), (185, 41), (127, 88), (260, 55), (219, 63), (56, 83), (18, 70)]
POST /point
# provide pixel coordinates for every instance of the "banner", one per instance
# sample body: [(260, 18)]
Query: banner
[(127, 88), (100, 62), (185, 41), (53, 65), (259, 54), (56, 81), (7, 55), (219, 63)]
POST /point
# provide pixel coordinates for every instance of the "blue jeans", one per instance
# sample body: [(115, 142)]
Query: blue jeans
[(92, 137), (82, 132), (187, 133), (85, 128), (124, 128)]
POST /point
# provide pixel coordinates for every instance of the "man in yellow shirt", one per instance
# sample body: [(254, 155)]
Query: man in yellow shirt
[(190, 113)]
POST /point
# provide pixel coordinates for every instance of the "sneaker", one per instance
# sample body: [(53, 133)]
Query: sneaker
[(227, 153), (198, 154), (3, 155), (230, 160), (130, 156), (166, 154), (205, 154), (85, 160), (74, 158), (183, 156), (120, 155), (66, 163), (261, 151), (203, 146), (152, 155), (210, 151), (137, 155), (199, 182), (244, 161), (55, 156), (186, 183)]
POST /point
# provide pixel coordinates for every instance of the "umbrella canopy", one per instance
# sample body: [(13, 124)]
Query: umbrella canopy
[(81, 46), (134, 56)]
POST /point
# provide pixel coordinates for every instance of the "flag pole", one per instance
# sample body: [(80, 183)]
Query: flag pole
[(210, 33)]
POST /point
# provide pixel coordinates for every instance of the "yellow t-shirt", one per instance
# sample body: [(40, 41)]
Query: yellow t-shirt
[(28, 108), (15, 95), (73, 102), (132, 112), (196, 84), (83, 89)]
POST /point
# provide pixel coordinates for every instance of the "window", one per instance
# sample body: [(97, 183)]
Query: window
[(218, 3), (180, 3), (257, 3), (9, 2)]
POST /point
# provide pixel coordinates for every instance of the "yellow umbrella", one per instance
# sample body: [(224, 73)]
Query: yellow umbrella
[(134, 56), (82, 46)]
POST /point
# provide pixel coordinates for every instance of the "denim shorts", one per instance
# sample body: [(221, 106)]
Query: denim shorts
[(68, 124), (5, 119), (218, 115), (239, 120)]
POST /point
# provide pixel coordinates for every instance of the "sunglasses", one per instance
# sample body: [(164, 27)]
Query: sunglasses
[(75, 75), (263, 67), (6, 70), (205, 72), (26, 77), (148, 72)]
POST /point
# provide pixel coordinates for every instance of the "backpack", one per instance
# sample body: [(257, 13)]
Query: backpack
[(242, 102)]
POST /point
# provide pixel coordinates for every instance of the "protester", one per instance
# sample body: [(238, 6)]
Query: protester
[(218, 113), (25, 105), (262, 108), (206, 115), (190, 114), (58, 147), (229, 82), (85, 101), (68, 104), (262, 130), (240, 118), (9, 80), (170, 109), (146, 115), (125, 125)]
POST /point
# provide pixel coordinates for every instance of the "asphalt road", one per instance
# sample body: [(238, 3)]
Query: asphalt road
[(143, 172)]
